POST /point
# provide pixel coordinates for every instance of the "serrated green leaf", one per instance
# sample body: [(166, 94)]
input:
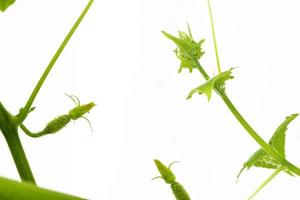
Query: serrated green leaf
[(207, 87), (278, 139), (188, 51), (4, 4), (261, 159)]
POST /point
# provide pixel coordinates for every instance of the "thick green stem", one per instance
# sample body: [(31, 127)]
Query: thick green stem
[(275, 173), (13, 190), (10, 132), (19, 157), (23, 112)]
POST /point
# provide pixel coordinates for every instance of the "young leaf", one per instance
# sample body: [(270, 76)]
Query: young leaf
[(188, 50), (261, 159), (278, 139), (4, 4), (207, 87)]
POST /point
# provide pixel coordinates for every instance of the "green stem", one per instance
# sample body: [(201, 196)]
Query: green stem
[(275, 173), (201, 70), (19, 157), (246, 126), (13, 190), (29, 133), (214, 36), (23, 112), (10, 132), (221, 92), (265, 146)]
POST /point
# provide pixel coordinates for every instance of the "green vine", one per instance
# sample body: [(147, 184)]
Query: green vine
[(272, 154), (9, 125)]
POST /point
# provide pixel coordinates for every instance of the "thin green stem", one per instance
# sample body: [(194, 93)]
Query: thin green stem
[(201, 70), (246, 125), (13, 190), (23, 112), (9, 124), (221, 92), (10, 132), (265, 146), (214, 36), (29, 133), (275, 173)]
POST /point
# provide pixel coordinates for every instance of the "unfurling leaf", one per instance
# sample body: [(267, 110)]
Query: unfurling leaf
[(188, 50), (261, 159), (207, 87), (4, 4)]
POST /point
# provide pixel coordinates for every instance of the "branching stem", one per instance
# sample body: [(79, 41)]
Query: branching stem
[(10, 132), (9, 124), (221, 92), (23, 112), (265, 146)]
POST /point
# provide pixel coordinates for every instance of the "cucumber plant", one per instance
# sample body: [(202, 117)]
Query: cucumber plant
[(10, 124), (271, 155)]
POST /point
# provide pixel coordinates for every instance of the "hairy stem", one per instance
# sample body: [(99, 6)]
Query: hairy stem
[(10, 132), (23, 112), (275, 173), (13, 190)]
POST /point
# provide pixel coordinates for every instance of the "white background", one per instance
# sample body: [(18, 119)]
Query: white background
[(119, 59)]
